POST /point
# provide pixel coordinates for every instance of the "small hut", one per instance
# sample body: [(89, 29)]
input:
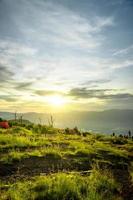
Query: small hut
[(4, 124)]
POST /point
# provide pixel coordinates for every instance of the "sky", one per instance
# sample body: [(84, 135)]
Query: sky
[(66, 55)]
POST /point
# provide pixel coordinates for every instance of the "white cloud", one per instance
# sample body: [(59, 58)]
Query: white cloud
[(124, 51), (50, 30), (122, 64), (58, 45), (11, 48), (55, 24)]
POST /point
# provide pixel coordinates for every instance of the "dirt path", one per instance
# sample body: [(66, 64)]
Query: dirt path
[(34, 166)]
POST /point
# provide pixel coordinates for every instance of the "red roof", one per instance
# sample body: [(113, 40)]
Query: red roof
[(4, 124)]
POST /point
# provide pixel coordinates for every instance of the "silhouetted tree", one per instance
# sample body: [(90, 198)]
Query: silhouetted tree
[(126, 136), (129, 134), (1, 119), (15, 116), (76, 129), (113, 134), (121, 136), (67, 130), (21, 119)]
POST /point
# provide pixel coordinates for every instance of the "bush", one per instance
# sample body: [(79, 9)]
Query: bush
[(1, 119), (98, 186)]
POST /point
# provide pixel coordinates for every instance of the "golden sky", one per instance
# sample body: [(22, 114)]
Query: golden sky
[(60, 56)]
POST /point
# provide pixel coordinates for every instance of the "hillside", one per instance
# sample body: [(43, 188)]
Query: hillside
[(41, 162), (108, 121)]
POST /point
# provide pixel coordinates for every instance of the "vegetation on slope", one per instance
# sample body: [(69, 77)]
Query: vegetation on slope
[(41, 162)]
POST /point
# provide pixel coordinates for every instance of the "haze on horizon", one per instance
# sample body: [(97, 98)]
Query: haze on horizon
[(66, 55)]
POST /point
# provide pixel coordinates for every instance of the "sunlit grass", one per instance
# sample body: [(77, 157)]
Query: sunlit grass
[(71, 152), (61, 186)]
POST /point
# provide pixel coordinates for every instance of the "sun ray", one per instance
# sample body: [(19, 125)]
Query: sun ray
[(56, 100)]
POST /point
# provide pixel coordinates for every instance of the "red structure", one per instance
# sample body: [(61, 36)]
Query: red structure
[(4, 124)]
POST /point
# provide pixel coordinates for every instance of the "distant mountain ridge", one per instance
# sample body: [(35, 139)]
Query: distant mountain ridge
[(99, 121)]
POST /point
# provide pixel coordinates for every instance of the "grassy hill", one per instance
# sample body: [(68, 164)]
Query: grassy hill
[(41, 162), (107, 121)]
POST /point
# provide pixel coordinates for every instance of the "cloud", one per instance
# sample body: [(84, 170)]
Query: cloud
[(121, 96), (8, 98), (14, 48), (5, 74), (122, 64), (87, 93), (124, 51), (116, 2), (53, 29), (21, 60), (95, 83), (105, 94), (52, 48), (53, 23), (47, 92), (22, 85)]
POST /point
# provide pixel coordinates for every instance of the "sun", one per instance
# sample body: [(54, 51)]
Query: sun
[(56, 100)]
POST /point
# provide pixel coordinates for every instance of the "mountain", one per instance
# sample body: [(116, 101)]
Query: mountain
[(108, 121)]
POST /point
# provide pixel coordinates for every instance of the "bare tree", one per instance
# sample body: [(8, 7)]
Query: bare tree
[(15, 116), (51, 121), (21, 119), (40, 121)]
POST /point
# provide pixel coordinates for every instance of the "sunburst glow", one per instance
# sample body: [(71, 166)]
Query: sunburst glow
[(56, 100)]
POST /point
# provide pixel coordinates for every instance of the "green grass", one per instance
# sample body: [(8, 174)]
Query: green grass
[(63, 186), (15, 155), (24, 143), (69, 152)]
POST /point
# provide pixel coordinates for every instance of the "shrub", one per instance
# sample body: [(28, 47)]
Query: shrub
[(98, 186), (102, 185)]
